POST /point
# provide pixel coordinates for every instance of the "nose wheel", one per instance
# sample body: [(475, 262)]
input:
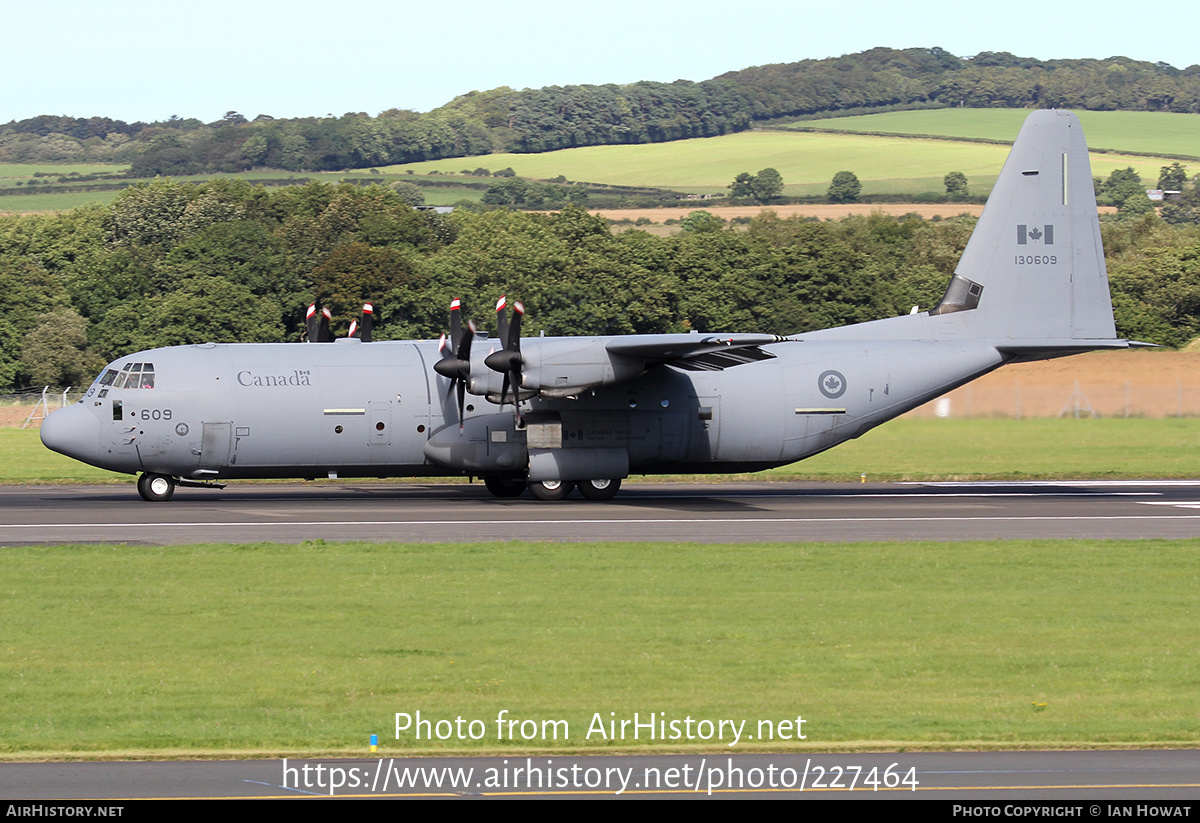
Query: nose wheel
[(155, 488)]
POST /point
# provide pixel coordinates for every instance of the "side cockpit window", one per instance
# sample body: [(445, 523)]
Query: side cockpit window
[(134, 376)]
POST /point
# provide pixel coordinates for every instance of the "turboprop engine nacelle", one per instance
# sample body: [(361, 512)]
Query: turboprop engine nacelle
[(566, 366)]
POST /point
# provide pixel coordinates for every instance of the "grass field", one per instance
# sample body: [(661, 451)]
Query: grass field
[(1133, 131), (60, 201), (266, 649), (50, 200), (11, 172)]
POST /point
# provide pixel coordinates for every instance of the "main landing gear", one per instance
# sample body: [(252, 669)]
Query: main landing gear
[(599, 489), (552, 489), (505, 486), (155, 488)]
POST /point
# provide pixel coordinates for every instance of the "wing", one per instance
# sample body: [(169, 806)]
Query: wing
[(566, 366)]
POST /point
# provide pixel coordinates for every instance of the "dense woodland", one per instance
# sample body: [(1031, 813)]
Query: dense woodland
[(536, 120), (170, 263)]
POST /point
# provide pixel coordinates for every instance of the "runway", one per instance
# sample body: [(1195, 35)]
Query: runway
[(718, 512)]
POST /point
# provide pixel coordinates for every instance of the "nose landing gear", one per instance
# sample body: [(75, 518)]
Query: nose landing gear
[(155, 488)]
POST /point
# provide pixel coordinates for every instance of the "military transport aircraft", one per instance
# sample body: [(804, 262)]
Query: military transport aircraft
[(551, 414)]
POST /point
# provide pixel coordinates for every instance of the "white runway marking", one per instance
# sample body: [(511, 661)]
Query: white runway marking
[(646, 520)]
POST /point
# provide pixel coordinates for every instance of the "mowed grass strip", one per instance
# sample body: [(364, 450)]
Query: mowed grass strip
[(904, 449), (271, 648)]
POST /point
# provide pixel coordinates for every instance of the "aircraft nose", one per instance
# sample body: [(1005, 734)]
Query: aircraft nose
[(73, 431)]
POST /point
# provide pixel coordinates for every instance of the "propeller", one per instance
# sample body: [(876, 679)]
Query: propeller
[(456, 356), (508, 361)]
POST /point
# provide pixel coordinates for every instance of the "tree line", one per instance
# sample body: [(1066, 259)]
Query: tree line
[(170, 263), (556, 117)]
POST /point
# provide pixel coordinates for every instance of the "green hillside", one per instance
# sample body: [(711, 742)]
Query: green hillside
[(1142, 132), (806, 159)]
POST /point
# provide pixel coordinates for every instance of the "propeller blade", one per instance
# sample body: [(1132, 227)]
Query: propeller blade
[(323, 333), (368, 322), (513, 343), (501, 320), (455, 323), (310, 323), (461, 388)]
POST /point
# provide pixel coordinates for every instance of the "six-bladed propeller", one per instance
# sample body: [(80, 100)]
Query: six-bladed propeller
[(507, 360)]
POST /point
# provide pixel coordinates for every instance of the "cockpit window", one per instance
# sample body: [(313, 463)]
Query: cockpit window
[(133, 376), (108, 377)]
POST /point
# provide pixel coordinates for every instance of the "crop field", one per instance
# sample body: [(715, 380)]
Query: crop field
[(807, 162), (1162, 133)]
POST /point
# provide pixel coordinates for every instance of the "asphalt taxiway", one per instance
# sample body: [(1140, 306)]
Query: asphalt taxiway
[(718, 512)]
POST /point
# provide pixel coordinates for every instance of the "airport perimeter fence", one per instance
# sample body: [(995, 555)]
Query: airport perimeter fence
[(27, 409)]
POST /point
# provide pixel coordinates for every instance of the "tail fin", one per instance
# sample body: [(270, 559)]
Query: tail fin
[(1033, 269)]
